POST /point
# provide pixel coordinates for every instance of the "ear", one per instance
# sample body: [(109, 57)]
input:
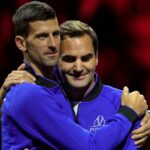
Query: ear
[(96, 58), (20, 43)]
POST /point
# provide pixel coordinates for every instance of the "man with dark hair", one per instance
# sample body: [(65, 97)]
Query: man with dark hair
[(39, 116), (34, 23)]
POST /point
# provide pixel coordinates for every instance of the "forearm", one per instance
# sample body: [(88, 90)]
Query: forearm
[(130, 143), (56, 126), (62, 129)]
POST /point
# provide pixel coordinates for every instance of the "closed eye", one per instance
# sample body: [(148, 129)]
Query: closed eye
[(86, 58), (69, 59)]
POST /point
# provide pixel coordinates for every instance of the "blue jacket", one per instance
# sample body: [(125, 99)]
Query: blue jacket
[(95, 111), (40, 117)]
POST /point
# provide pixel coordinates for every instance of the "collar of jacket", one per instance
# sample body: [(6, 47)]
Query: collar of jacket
[(95, 91), (42, 81)]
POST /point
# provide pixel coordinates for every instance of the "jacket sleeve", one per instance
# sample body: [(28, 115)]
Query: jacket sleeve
[(130, 143), (37, 112)]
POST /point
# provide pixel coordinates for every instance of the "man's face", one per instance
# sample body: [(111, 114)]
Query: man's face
[(43, 43), (77, 61)]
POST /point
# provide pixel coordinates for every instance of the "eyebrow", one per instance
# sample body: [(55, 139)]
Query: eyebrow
[(56, 32), (70, 58), (87, 57), (41, 34)]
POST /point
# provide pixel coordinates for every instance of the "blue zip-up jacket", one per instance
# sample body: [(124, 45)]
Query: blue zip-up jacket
[(40, 117), (96, 109)]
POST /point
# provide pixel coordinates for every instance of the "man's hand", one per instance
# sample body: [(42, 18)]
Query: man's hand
[(134, 100), (16, 77), (141, 134)]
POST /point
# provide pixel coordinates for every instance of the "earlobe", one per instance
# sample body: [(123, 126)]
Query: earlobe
[(96, 59), (20, 43)]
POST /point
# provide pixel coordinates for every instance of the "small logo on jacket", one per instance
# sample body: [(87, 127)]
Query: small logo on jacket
[(99, 122)]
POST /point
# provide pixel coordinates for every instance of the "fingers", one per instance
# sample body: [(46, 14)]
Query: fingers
[(140, 136), (11, 82), (17, 77), (139, 133), (124, 94), (146, 119), (134, 100), (141, 142), (125, 90), (21, 75), (22, 66)]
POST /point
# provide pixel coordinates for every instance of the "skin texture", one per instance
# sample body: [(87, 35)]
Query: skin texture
[(142, 134), (135, 95), (41, 47), (79, 74), (77, 62), (81, 71)]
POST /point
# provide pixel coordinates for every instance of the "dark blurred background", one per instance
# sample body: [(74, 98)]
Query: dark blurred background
[(123, 29)]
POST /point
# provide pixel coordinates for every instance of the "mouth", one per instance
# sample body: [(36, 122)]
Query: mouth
[(78, 77), (52, 54)]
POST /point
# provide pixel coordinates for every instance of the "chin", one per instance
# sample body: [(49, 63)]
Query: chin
[(52, 64), (79, 86)]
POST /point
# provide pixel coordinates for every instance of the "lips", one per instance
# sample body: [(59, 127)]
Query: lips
[(51, 54), (78, 77)]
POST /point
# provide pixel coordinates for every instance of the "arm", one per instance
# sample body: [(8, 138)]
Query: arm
[(130, 141), (141, 134), (56, 128), (15, 77)]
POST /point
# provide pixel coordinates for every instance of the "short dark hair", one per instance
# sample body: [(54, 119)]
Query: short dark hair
[(76, 28), (29, 12)]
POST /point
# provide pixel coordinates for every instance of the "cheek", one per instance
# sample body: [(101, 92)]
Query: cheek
[(63, 66), (35, 51), (91, 65), (58, 42), (34, 47)]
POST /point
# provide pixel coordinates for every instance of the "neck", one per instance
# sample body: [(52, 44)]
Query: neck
[(43, 71), (77, 94)]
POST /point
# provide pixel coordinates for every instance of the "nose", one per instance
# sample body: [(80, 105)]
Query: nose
[(78, 66), (51, 41)]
